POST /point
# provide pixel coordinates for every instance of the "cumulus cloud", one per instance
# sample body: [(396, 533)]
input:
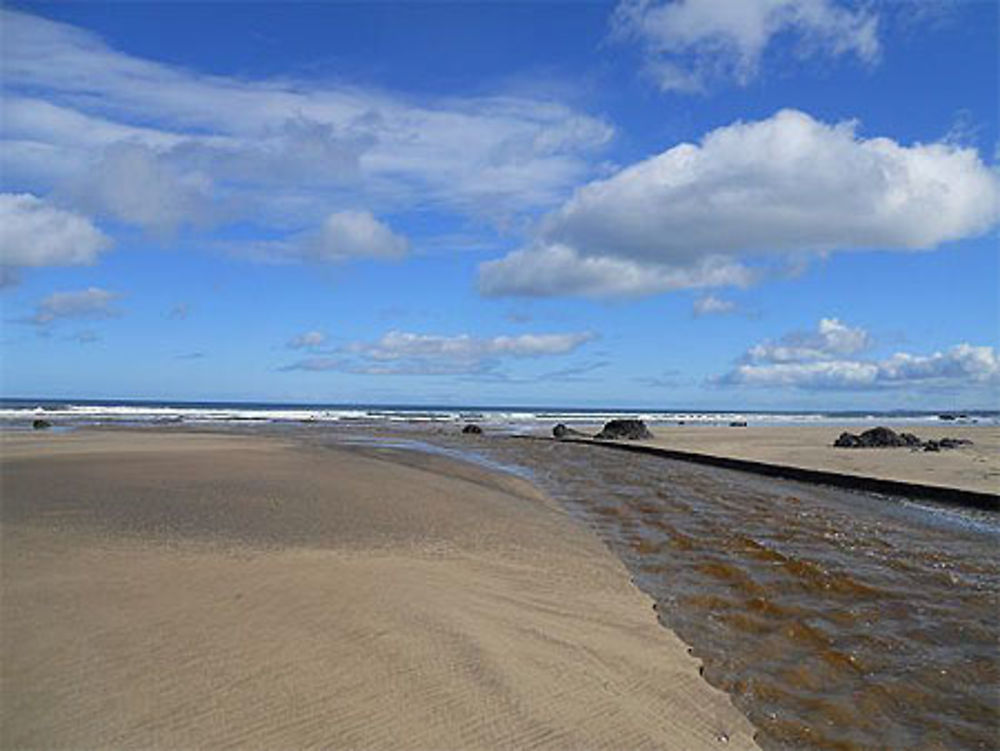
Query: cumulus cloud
[(354, 234), (831, 339), (708, 305), (555, 270), (342, 236), (160, 146), (307, 340), (133, 183), (821, 360), (91, 303), (786, 187), (689, 44), (35, 233), (401, 352)]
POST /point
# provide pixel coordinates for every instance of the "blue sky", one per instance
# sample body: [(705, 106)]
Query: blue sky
[(771, 204)]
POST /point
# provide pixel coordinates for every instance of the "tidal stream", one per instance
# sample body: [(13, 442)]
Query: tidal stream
[(835, 619)]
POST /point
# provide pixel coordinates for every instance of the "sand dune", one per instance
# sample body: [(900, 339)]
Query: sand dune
[(204, 591)]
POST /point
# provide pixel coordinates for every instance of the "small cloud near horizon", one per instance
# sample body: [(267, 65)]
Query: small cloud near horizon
[(307, 340), (712, 305), (826, 359)]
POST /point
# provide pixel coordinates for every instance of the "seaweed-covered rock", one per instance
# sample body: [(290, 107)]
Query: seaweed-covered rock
[(628, 429), (561, 431), (472, 430), (41, 424)]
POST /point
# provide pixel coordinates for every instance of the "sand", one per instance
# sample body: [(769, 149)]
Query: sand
[(975, 467), (182, 590)]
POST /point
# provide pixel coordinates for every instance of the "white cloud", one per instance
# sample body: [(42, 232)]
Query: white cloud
[(91, 303), (354, 234), (342, 236), (133, 183), (35, 233), (708, 305), (160, 146), (400, 344), (689, 44), (820, 360), (830, 340), (963, 361), (406, 353), (307, 340), (555, 270), (789, 185)]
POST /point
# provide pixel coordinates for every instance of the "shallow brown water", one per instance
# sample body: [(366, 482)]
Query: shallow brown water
[(836, 619)]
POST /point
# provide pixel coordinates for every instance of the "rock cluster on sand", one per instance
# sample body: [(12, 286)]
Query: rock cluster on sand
[(887, 438), (629, 429), (41, 424), (472, 430)]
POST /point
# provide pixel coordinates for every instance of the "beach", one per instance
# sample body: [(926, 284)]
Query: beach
[(170, 589), (973, 467), (835, 617)]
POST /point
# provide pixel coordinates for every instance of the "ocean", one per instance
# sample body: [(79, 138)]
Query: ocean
[(15, 412)]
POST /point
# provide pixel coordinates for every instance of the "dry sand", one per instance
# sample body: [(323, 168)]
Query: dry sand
[(204, 591), (975, 467)]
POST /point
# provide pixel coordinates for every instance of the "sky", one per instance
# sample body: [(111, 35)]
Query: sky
[(699, 204)]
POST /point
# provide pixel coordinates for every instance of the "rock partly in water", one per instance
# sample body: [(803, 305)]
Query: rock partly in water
[(561, 431), (41, 424), (629, 429), (738, 424), (472, 430)]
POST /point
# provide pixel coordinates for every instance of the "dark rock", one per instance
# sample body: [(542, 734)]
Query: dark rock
[(881, 438), (472, 430), (847, 441), (946, 417), (738, 424), (561, 431), (629, 429), (886, 438), (954, 443), (41, 424), (876, 438)]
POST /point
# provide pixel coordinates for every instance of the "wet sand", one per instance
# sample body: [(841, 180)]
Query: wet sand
[(975, 467), (181, 590)]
